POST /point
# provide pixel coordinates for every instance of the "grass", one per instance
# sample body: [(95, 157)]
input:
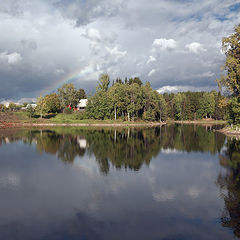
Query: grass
[(22, 115), (79, 118)]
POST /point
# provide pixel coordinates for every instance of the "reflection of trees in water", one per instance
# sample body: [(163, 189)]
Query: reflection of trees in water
[(128, 148), (229, 184)]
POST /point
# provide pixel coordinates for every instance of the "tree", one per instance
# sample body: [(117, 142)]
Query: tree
[(231, 47), (12, 106), (68, 95), (104, 81), (52, 103), (30, 111), (80, 94), (234, 110), (41, 106), (116, 94), (2, 108), (100, 105)]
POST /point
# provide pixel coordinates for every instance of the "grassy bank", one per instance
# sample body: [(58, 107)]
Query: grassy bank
[(18, 119)]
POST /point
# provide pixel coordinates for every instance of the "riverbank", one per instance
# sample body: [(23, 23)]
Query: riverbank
[(231, 132), (203, 121), (17, 120)]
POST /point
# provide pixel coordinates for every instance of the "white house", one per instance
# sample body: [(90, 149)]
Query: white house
[(82, 104), (33, 105)]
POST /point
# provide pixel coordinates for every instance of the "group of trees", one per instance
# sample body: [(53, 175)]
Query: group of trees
[(66, 98), (131, 100), (195, 105)]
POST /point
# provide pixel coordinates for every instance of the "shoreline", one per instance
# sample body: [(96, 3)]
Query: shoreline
[(229, 132), (19, 125)]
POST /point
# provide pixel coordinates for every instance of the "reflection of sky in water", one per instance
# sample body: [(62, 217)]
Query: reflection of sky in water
[(175, 197)]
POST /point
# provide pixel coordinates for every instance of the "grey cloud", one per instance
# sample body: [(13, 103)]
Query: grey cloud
[(84, 12), (29, 44)]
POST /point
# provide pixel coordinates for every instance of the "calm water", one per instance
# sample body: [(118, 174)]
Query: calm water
[(175, 182)]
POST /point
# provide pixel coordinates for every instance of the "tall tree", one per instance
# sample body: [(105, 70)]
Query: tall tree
[(68, 95), (231, 47), (80, 94), (41, 106), (52, 103)]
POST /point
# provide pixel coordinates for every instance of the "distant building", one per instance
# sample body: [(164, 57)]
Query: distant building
[(33, 105), (82, 104)]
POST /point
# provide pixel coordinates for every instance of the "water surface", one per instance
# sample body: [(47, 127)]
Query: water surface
[(174, 182)]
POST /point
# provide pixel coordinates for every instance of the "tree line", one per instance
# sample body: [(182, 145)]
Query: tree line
[(132, 100)]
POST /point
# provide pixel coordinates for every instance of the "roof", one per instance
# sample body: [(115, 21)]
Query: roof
[(82, 103)]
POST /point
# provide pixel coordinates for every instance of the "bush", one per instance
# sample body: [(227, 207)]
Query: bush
[(67, 111)]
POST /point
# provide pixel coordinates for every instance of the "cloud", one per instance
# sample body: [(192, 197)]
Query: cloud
[(164, 44), (117, 54), (84, 12), (151, 72), (11, 58), (93, 34), (151, 59), (174, 89), (167, 89), (195, 47)]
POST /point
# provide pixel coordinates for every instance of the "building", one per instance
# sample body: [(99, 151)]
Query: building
[(82, 104), (33, 105)]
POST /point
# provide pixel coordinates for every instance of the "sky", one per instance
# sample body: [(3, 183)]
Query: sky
[(173, 44)]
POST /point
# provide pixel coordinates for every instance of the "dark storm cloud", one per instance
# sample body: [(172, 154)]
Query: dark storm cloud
[(86, 11)]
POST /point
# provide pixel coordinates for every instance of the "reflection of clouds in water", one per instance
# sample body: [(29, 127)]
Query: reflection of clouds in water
[(9, 180), (88, 165), (164, 195), (193, 192)]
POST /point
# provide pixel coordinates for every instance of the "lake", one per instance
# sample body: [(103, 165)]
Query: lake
[(171, 182)]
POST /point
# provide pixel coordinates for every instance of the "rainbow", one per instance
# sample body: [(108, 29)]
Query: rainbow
[(66, 79)]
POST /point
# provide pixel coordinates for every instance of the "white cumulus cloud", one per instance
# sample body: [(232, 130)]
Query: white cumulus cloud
[(116, 53), (151, 59), (164, 44), (195, 47), (93, 34)]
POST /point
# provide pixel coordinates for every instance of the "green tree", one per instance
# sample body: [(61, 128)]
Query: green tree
[(117, 96), (234, 110), (104, 81), (52, 103), (30, 111), (41, 106), (80, 94), (231, 47), (68, 95), (100, 105)]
